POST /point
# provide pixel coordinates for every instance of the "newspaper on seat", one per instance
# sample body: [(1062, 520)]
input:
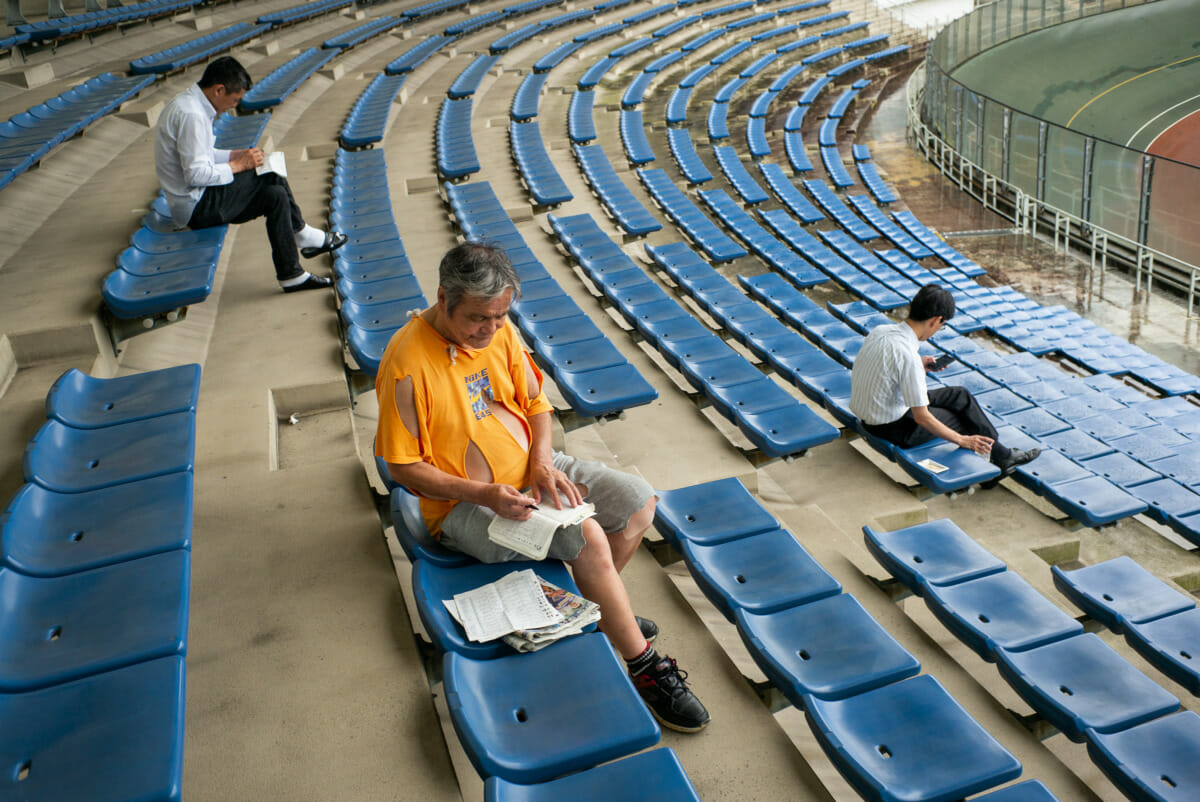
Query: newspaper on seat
[(525, 610)]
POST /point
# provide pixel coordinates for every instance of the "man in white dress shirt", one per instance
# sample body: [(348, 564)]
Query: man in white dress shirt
[(888, 392), (206, 186)]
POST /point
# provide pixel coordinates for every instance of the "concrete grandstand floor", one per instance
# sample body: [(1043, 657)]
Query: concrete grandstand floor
[(305, 680)]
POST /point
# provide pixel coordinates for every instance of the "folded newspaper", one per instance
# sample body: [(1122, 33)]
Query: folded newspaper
[(525, 610), (532, 537)]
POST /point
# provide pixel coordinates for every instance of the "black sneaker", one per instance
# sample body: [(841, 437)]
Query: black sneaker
[(664, 691), (649, 628)]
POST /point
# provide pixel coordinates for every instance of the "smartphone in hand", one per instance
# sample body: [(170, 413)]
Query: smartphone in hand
[(941, 362)]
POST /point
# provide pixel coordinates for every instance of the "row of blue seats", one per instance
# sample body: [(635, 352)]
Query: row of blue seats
[(95, 578), (528, 96), (1159, 622), (618, 200), (283, 80), (375, 281), (1072, 679), (592, 375), (100, 19), (166, 269), (456, 156), (633, 137), (731, 165), (857, 686), (870, 176), (467, 82), (545, 185), (552, 747), (581, 125), (30, 135), (878, 219), (776, 423), (417, 55), (194, 50), (368, 117), (361, 33), (714, 242), (301, 12), (513, 38), (683, 150), (761, 241)]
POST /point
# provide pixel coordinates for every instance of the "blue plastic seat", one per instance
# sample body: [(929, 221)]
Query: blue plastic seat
[(931, 553), (889, 754), (519, 721), (130, 748), (1095, 501), (999, 611), (964, 467), (1080, 683), (57, 629), (129, 296), (605, 391), (758, 573), (70, 460), (414, 536), (84, 402), (44, 533), (711, 512), (829, 648), (1152, 761), (1170, 644), (1119, 592), (656, 774), (432, 583)]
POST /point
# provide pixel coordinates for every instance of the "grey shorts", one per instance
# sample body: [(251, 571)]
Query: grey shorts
[(616, 494)]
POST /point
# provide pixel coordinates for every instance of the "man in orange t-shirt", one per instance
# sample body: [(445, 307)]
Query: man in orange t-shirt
[(464, 424)]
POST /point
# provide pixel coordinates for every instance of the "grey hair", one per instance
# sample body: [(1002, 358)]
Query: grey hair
[(479, 270)]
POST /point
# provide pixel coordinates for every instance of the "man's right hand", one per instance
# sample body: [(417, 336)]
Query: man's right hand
[(249, 159), (978, 443), (508, 502)]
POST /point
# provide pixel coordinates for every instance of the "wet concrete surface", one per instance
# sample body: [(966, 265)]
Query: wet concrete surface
[(1157, 322)]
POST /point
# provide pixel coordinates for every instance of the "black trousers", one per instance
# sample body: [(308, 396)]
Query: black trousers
[(250, 196), (953, 406)]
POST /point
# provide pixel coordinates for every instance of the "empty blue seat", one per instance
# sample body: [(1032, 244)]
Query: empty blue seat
[(130, 748), (1080, 684), (44, 533), (433, 583), (605, 391), (85, 402), (70, 460), (1119, 592), (130, 297), (1095, 501), (711, 512), (889, 754), (758, 573), (518, 720), (829, 648), (999, 611), (1152, 761), (656, 774), (1170, 645), (57, 629), (934, 553)]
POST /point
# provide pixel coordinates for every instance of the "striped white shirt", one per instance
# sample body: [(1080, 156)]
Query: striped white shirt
[(888, 377), (186, 158)]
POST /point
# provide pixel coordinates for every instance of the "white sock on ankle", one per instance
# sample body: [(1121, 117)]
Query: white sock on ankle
[(309, 237), (292, 282)]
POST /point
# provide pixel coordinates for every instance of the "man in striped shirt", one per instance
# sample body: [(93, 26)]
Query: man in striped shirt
[(889, 395)]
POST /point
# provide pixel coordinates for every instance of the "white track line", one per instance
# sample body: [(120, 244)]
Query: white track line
[(1155, 117)]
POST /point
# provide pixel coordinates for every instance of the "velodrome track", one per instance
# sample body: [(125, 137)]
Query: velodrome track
[(305, 681)]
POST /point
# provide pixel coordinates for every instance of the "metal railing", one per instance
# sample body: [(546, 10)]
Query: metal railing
[(1122, 205)]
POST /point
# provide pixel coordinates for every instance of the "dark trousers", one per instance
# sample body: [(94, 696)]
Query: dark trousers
[(953, 406), (250, 196)]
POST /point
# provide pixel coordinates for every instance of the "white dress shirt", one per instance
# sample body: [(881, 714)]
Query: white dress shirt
[(888, 377), (186, 158)]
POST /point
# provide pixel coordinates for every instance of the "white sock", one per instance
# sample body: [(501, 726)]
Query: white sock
[(292, 282), (309, 237)]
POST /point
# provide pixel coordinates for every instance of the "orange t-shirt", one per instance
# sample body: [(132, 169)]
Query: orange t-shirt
[(451, 388)]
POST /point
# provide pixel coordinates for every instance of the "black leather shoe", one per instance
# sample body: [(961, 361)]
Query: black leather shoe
[(1015, 458), (333, 241), (310, 283)]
